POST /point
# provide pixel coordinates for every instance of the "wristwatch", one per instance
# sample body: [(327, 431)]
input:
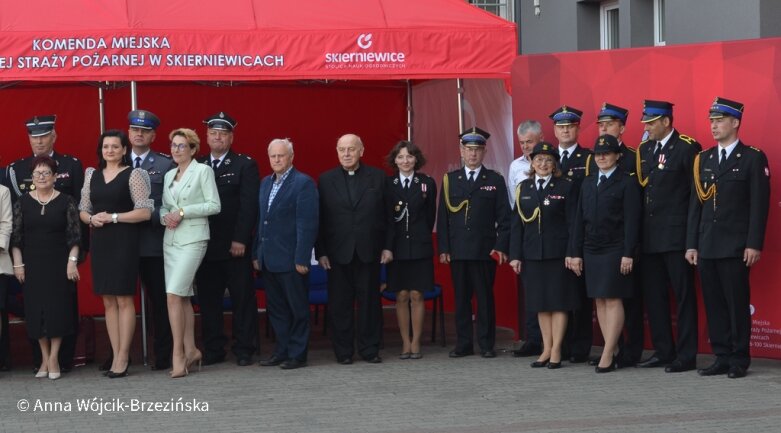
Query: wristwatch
[(181, 212), (114, 218), (73, 258)]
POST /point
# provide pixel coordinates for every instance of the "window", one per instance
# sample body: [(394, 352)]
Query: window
[(609, 25), (659, 23), (502, 8)]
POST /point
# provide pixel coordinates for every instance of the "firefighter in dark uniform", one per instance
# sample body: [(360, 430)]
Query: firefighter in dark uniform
[(664, 170), (574, 160), (612, 121), (70, 179), (228, 260), (725, 234), (473, 234)]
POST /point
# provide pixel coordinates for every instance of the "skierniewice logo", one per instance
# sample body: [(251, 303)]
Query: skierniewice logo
[(365, 40), (368, 54)]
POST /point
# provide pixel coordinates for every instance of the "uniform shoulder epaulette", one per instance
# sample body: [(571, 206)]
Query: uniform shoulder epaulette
[(754, 148), (686, 138), (631, 149), (423, 175), (643, 142)]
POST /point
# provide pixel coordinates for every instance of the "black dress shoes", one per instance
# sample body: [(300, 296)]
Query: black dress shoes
[(554, 365), (271, 361), (292, 364), (527, 349), (714, 369), (373, 359), (213, 359), (607, 369), (243, 361), (539, 364), (652, 362), (679, 367), (455, 353), (736, 372), (488, 354), (345, 361), (578, 359)]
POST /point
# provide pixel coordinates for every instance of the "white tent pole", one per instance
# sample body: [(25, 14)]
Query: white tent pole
[(101, 109), (409, 111), (133, 96), (460, 85)]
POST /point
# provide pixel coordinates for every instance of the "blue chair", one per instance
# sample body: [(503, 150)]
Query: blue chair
[(318, 293), (437, 310)]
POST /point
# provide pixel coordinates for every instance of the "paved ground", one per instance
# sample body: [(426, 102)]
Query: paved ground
[(434, 394)]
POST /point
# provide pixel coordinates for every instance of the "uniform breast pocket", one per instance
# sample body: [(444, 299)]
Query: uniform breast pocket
[(737, 175)]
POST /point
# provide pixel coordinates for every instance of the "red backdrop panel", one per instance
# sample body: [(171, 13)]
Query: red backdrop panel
[(313, 115), (690, 76)]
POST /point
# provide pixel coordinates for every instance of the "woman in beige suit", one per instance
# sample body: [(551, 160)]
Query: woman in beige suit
[(189, 197)]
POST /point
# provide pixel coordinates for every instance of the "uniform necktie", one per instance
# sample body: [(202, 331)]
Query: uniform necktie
[(564, 156), (657, 151), (723, 159), (602, 180), (138, 162), (215, 163), (406, 183), (540, 183), (472, 176)]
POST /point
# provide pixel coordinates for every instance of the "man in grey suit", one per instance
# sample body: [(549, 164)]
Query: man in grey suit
[(287, 229), (141, 132)]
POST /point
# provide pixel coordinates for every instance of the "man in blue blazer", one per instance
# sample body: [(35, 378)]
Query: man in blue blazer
[(287, 229)]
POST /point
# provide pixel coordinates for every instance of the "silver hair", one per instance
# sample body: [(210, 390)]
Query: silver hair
[(286, 141), (529, 126)]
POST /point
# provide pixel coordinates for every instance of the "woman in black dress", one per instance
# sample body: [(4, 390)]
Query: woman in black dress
[(605, 236), (412, 200), (113, 200), (45, 248), (544, 209)]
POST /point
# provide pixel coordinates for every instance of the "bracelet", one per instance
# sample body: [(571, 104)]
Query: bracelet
[(19, 266), (90, 220)]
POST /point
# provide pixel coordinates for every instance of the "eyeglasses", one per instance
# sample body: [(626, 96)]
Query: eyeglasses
[(541, 161), (42, 174), (180, 146)]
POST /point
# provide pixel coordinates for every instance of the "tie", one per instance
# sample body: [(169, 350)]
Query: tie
[(657, 151), (138, 162), (472, 176), (406, 183), (564, 156), (723, 159), (602, 180), (540, 183), (215, 163)]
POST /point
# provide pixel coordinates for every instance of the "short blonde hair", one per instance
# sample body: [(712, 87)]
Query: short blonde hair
[(189, 135)]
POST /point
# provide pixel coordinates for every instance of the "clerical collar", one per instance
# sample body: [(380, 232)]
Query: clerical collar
[(351, 172)]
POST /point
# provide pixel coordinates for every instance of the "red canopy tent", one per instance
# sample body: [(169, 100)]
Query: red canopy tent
[(50, 48)]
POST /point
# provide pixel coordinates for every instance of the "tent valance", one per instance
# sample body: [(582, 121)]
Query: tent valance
[(110, 40)]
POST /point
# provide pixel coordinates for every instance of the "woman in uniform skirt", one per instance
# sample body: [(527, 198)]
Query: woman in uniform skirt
[(412, 199), (544, 209), (604, 238)]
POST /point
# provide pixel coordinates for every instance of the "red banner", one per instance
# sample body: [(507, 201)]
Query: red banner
[(143, 40), (690, 76)]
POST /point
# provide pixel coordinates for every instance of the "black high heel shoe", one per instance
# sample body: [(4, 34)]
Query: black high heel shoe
[(113, 375), (607, 369), (539, 364)]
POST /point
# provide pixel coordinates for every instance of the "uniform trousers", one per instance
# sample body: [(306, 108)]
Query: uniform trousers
[(527, 319), (151, 271), (212, 278), (580, 327), (726, 292), (660, 271), (348, 284), (474, 278), (287, 294)]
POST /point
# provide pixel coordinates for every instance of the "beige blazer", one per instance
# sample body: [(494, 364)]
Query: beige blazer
[(197, 195), (6, 225)]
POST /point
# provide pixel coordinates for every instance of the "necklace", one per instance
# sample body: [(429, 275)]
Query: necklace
[(43, 203)]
